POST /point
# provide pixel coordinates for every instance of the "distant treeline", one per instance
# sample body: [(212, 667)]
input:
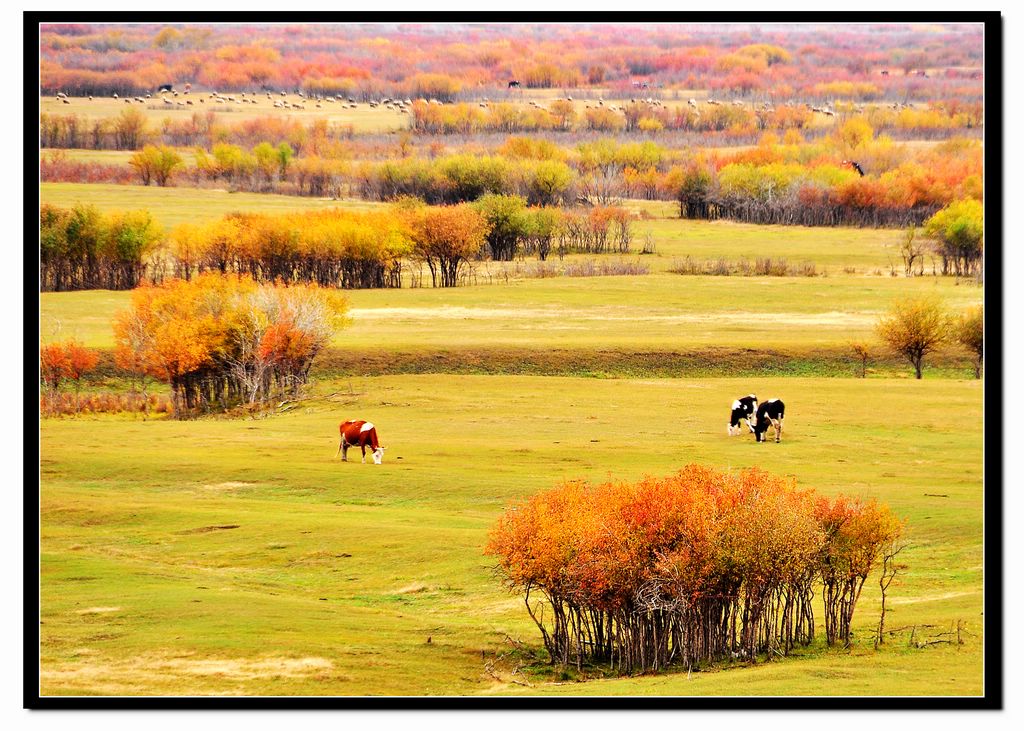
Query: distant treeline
[(130, 130), (454, 61), (779, 181), (82, 248)]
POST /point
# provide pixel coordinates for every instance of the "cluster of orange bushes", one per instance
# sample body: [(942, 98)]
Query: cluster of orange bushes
[(220, 340), (805, 184), (65, 361), (701, 566)]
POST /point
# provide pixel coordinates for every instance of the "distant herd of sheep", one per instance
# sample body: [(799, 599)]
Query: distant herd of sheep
[(399, 105), (402, 106)]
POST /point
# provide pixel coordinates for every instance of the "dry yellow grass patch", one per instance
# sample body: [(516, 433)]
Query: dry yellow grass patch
[(185, 671)]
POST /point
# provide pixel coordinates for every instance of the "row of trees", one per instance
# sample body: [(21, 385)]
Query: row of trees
[(220, 340), (777, 182), (82, 248), (562, 115), (330, 248), (698, 567), (131, 129)]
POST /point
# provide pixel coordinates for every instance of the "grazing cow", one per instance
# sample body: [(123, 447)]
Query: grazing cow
[(513, 84), (770, 413), (165, 87), (360, 434), (742, 409)]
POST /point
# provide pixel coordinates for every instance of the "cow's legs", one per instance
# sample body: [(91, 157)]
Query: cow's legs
[(344, 451), (363, 447), (777, 423)]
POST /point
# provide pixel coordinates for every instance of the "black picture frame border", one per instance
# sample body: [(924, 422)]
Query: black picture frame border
[(993, 388)]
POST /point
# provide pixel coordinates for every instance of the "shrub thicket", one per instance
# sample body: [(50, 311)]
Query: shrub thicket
[(82, 248), (698, 567), (331, 248), (221, 340)]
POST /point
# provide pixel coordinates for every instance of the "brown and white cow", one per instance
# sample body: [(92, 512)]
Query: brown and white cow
[(360, 434)]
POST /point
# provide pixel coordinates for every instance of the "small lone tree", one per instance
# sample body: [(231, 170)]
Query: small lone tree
[(861, 350), (969, 331), (890, 568), (914, 328), (445, 237), (912, 250)]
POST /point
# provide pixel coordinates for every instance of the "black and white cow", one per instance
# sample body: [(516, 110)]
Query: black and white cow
[(769, 414), (742, 409)]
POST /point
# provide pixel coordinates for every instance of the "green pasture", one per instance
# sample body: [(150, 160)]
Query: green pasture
[(225, 556), (110, 157), (363, 119), (653, 312), (832, 250), (173, 206)]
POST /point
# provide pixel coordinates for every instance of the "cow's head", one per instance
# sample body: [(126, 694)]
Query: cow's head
[(760, 429), (378, 455), (734, 418)]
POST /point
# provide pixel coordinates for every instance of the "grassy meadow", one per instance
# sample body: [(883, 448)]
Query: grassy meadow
[(362, 119), (652, 312), (173, 206), (223, 556), (226, 556)]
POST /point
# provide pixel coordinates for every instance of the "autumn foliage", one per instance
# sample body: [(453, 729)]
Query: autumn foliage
[(698, 567), (452, 61), (67, 361), (331, 248), (914, 328), (82, 248), (221, 340)]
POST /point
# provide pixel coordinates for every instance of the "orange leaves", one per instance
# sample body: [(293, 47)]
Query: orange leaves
[(856, 532), (224, 334), (65, 360), (79, 361), (283, 342), (446, 236), (702, 531), (52, 364)]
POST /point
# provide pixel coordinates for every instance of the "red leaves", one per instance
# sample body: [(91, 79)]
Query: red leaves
[(65, 360), (702, 532), (284, 343)]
